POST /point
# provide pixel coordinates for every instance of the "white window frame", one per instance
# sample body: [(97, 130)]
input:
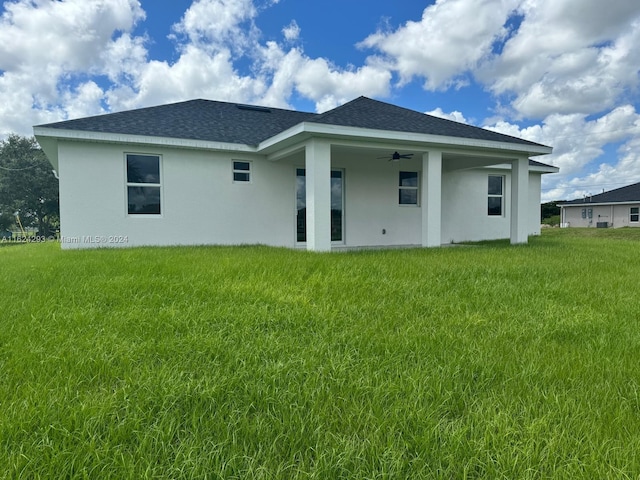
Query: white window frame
[(142, 184), (494, 195), (409, 187), (241, 171), (632, 214)]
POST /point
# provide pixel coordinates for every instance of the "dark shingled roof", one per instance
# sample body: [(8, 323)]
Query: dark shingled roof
[(195, 120), (244, 124), (630, 193), (367, 113)]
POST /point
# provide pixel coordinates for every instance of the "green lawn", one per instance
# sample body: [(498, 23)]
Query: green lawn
[(486, 361)]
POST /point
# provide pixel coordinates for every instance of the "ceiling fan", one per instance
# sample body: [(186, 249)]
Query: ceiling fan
[(395, 156)]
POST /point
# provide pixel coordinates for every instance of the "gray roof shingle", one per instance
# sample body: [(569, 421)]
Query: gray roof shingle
[(245, 124), (630, 193)]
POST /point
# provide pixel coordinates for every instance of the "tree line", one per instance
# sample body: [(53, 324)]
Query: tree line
[(29, 195)]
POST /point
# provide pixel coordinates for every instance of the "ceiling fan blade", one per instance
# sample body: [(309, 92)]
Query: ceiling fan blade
[(395, 156)]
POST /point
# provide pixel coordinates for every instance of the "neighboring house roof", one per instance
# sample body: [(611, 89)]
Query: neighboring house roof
[(245, 124), (630, 193)]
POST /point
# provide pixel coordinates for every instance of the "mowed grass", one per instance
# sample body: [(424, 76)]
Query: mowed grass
[(486, 361)]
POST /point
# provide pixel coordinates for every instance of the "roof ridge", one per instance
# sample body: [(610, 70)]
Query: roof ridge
[(319, 116)]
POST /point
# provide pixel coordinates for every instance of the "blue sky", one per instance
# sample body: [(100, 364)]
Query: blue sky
[(564, 73)]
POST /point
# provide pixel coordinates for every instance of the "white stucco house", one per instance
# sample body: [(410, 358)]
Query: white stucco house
[(615, 208), (366, 173)]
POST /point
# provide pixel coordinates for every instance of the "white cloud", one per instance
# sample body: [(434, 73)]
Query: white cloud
[(328, 86), (68, 35), (456, 116), (452, 38), (215, 22), (568, 57), (196, 74), (44, 45), (51, 52), (122, 57), (543, 56), (291, 32), (207, 68), (84, 100), (281, 67)]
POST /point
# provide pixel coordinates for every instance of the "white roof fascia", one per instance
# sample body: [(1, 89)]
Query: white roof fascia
[(548, 169), (286, 151), (532, 168), (409, 137), (102, 137), (289, 134)]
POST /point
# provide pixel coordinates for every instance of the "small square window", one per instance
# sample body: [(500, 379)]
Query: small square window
[(241, 172)]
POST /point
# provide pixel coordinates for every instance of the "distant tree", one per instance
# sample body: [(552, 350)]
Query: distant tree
[(28, 186), (6, 222), (550, 209)]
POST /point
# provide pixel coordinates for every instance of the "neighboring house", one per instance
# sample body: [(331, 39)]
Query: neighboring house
[(615, 208), (366, 173)]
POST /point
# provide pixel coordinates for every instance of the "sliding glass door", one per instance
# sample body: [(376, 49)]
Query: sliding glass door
[(337, 205)]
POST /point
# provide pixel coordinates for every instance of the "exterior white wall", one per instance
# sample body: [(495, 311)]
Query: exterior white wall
[(616, 216), (371, 202), (464, 206), (202, 205), (200, 202)]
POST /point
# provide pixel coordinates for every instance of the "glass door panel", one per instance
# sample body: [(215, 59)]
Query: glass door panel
[(301, 205), (337, 205)]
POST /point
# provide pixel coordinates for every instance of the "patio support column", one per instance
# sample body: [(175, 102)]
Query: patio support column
[(519, 200), (318, 179), (431, 198)]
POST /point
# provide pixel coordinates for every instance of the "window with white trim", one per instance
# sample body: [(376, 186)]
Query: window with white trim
[(241, 171), (408, 188), (634, 214), (143, 184), (495, 194)]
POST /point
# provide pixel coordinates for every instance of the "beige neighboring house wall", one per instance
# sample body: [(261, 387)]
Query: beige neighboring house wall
[(591, 214)]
